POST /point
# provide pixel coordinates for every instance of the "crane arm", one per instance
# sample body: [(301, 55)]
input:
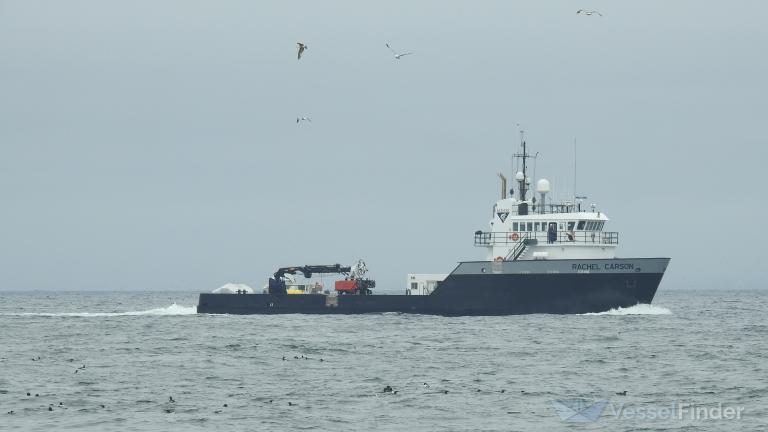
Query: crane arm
[(308, 270)]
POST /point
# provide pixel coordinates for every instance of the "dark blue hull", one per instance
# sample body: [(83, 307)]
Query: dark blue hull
[(481, 288)]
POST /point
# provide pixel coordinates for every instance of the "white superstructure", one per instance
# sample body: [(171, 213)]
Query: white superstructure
[(423, 284), (525, 228)]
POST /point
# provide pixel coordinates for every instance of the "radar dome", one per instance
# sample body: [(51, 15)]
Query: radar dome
[(542, 186), (519, 176)]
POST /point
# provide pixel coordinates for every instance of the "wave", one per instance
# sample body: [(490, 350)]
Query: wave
[(638, 309), (173, 309)]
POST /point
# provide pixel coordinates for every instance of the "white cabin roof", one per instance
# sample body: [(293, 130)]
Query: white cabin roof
[(558, 216)]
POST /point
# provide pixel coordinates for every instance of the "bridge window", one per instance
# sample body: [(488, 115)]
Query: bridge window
[(581, 225)]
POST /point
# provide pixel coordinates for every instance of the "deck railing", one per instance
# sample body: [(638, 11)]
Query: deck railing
[(549, 209), (512, 238)]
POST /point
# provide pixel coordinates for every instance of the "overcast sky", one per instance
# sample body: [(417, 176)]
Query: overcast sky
[(150, 145)]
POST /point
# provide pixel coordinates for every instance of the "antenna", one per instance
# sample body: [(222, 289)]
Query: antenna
[(577, 199), (574, 170), (522, 177), (512, 159)]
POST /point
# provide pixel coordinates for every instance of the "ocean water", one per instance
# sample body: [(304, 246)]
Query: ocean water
[(112, 361)]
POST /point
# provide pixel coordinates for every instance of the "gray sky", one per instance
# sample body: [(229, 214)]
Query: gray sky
[(153, 144)]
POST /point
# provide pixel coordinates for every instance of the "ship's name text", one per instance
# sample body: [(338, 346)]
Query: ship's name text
[(611, 266)]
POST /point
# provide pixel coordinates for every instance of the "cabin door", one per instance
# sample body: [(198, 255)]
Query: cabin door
[(552, 232)]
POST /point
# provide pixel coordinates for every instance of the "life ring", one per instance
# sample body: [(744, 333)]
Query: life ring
[(499, 259), (514, 237)]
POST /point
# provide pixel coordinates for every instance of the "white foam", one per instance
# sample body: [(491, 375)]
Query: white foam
[(173, 309), (639, 309), (233, 288)]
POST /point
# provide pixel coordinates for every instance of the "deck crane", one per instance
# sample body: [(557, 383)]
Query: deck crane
[(353, 283)]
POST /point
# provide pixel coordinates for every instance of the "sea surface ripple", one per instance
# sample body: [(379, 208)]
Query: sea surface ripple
[(112, 361)]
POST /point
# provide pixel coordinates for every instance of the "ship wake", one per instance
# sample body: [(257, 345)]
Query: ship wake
[(173, 309), (639, 309)]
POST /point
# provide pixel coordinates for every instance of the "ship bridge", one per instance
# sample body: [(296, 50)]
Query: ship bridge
[(531, 229)]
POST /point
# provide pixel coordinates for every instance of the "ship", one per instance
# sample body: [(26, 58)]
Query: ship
[(540, 258)]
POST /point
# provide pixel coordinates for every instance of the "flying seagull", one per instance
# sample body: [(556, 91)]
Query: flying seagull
[(302, 47), (299, 119), (397, 56), (588, 13)]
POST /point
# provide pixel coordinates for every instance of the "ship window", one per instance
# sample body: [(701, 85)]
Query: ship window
[(561, 225), (543, 226), (514, 226), (581, 225), (601, 225), (530, 226), (570, 225), (414, 286), (536, 226)]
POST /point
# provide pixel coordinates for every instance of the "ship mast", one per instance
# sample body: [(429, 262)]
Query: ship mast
[(522, 177)]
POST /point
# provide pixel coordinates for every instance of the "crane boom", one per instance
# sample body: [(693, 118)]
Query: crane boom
[(308, 270), (353, 282)]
